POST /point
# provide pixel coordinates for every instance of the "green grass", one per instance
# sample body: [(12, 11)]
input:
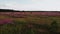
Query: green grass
[(22, 28), (20, 25)]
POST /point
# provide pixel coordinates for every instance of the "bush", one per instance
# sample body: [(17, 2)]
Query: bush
[(54, 26)]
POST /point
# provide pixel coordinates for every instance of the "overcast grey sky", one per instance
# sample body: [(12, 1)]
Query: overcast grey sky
[(48, 5)]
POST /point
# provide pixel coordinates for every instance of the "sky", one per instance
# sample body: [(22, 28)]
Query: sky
[(31, 5)]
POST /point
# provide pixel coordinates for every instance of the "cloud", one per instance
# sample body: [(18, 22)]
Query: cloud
[(53, 5), (36, 0)]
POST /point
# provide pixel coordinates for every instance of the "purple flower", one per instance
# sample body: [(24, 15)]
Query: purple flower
[(6, 20)]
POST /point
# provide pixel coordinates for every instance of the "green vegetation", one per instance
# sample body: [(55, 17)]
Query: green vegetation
[(54, 27), (23, 28), (31, 25)]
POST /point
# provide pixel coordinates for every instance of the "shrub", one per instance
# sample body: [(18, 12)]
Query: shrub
[(54, 26)]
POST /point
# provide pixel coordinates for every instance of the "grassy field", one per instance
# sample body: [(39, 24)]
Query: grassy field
[(29, 25)]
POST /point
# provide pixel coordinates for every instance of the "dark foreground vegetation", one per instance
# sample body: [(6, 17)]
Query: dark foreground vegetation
[(29, 28)]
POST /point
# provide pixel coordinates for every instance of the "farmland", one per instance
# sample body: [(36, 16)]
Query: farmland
[(29, 22)]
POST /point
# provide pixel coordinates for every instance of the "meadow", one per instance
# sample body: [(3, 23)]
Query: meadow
[(29, 24)]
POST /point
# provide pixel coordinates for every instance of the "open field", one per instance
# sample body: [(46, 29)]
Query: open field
[(29, 22), (27, 16)]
